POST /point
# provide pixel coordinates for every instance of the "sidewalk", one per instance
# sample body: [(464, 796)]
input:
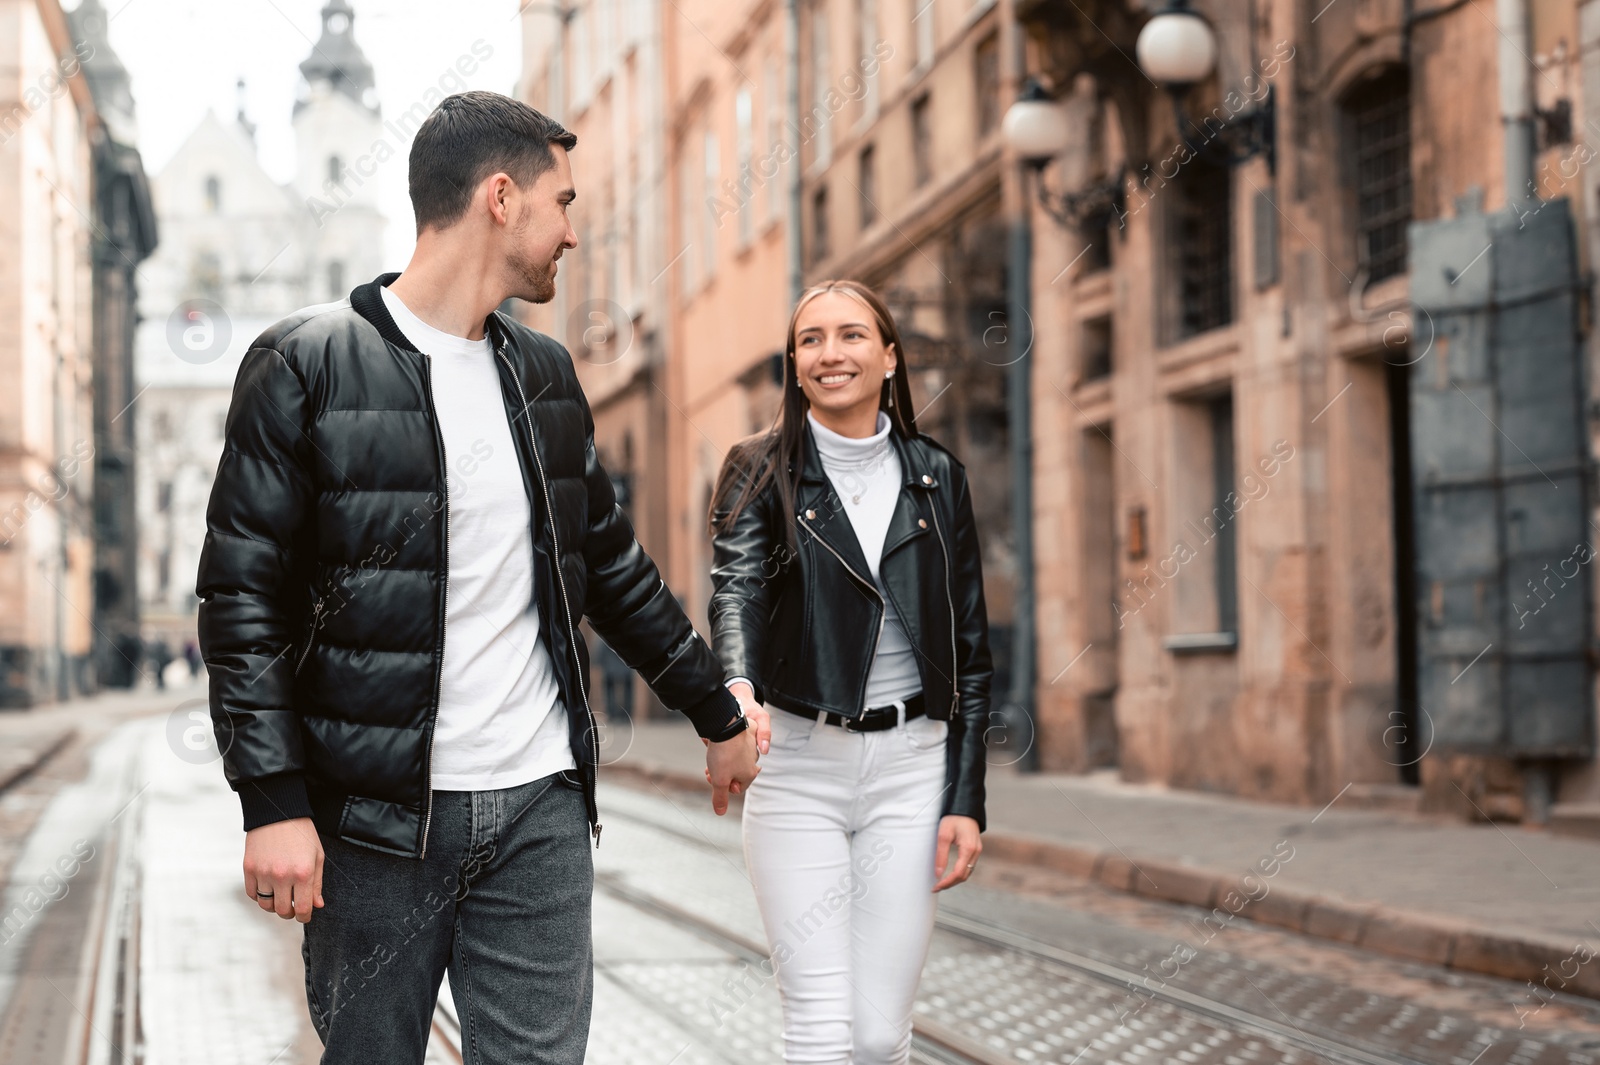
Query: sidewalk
[(1493, 899)]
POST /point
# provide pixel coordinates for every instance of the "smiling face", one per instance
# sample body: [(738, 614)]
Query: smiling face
[(841, 356), (541, 231)]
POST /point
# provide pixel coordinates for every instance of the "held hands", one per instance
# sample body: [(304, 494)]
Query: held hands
[(731, 764), (962, 834), (283, 868)]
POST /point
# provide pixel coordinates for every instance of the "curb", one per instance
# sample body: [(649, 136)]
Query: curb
[(1405, 934), (10, 778)]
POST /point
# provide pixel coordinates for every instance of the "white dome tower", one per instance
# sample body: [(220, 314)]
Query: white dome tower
[(342, 156)]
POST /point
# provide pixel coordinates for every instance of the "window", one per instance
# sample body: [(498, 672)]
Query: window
[(867, 40), (821, 119), (986, 82), (1200, 247), (1096, 348), (213, 194), (335, 169), (1196, 562), (922, 30), (713, 174), (819, 224), (868, 185), (688, 231), (921, 141), (1380, 127), (1223, 502), (207, 279), (336, 279), (743, 118), (771, 165)]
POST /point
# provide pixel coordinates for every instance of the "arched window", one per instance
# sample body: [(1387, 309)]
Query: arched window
[(335, 168), (213, 194)]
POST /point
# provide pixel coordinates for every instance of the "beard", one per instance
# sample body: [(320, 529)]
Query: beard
[(536, 280)]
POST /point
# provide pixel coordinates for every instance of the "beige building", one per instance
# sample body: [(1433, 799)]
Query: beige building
[(1262, 393), (47, 435), (1284, 545)]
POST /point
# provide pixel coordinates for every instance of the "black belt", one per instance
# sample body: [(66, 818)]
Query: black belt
[(876, 719)]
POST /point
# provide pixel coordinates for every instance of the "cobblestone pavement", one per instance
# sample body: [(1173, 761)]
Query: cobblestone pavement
[(1024, 967), (1027, 979)]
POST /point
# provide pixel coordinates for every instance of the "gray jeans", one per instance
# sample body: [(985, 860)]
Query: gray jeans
[(502, 901)]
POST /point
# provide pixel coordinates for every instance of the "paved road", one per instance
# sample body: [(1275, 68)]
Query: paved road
[(1025, 968)]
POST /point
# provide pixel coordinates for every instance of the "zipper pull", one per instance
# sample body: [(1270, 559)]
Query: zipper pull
[(597, 827)]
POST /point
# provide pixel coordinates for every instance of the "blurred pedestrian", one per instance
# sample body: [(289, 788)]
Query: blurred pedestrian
[(160, 657), (848, 594), (413, 711), (191, 654)]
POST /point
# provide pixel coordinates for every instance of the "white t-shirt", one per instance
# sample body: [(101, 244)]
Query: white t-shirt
[(501, 720)]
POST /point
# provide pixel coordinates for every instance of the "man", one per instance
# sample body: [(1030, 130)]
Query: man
[(408, 522)]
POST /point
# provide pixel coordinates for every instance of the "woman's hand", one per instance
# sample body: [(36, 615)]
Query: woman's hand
[(760, 727), (962, 834)]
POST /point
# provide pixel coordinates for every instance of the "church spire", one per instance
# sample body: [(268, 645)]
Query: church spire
[(337, 59)]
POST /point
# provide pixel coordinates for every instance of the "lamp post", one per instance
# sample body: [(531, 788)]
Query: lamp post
[(1177, 49), (1036, 130)]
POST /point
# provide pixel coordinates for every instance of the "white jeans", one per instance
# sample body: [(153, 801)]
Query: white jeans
[(839, 837)]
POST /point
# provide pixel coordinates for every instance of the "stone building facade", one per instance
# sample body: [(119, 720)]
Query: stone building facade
[(123, 237), (1280, 538), (47, 438), (1245, 500)]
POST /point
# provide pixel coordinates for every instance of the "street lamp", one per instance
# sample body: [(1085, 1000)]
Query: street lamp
[(1036, 129), (1177, 49)]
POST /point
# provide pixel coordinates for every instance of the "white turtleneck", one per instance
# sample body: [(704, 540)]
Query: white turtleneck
[(866, 474)]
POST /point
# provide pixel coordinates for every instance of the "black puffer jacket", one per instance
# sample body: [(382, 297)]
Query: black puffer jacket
[(804, 624), (323, 576)]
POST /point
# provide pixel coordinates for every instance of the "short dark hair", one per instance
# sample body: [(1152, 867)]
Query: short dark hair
[(468, 137)]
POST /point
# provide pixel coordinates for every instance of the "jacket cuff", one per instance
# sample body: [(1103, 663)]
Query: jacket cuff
[(281, 797), (718, 716)]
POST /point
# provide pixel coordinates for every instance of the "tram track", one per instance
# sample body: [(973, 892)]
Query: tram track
[(1280, 1030), (108, 1031)]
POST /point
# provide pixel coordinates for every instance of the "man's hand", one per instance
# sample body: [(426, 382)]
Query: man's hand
[(284, 859), (730, 766), (760, 720), (962, 834)]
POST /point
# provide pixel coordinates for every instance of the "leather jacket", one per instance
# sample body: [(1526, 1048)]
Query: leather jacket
[(803, 625), (325, 569)]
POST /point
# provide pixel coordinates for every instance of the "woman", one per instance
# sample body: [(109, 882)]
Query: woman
[(848, 597)]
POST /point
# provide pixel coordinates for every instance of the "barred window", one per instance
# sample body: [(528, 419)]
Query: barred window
[(1380, 129), (819, 225), (868, 187), (1201, 247)]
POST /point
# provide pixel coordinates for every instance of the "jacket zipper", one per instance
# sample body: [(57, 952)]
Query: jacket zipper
[(883, 611), (444, 599), (555, 543), (949, 575), (316, 619)]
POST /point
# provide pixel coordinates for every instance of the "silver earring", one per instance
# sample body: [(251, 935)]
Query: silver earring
[(887, 377)]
